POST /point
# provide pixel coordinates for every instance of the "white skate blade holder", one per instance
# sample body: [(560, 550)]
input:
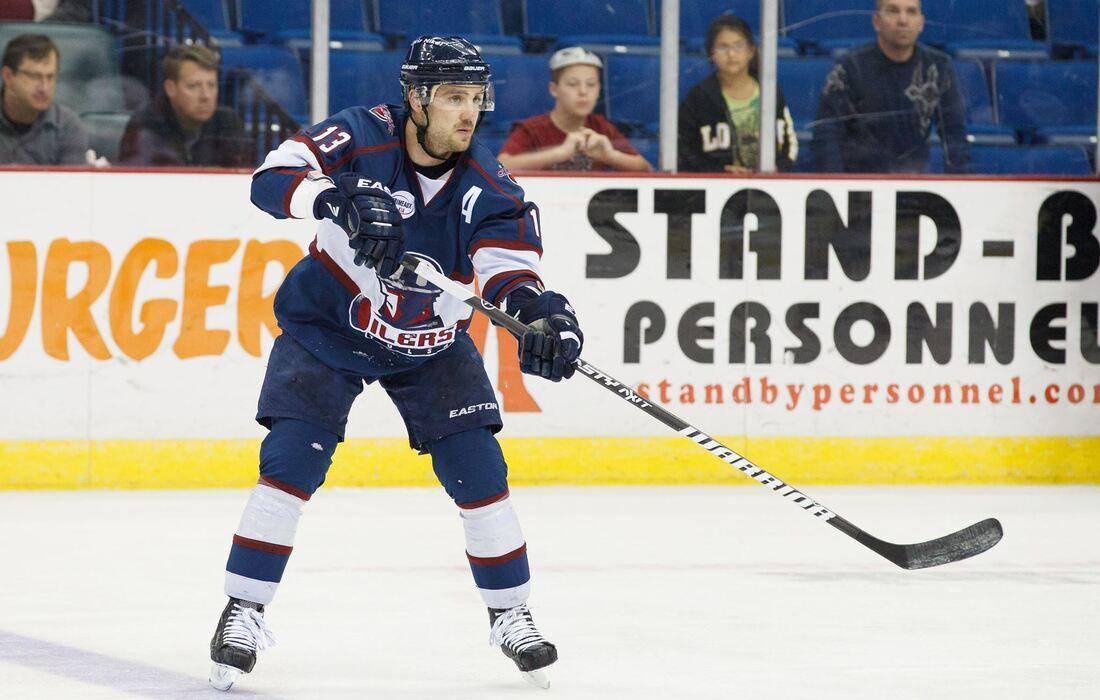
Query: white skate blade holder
[(222, 677), (539, 678)]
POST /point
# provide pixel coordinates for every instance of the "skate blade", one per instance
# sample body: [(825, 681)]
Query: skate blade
[(222, 677), (539, 678)]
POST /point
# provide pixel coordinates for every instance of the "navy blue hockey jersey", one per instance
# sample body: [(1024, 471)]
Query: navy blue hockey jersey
[(472, 223)]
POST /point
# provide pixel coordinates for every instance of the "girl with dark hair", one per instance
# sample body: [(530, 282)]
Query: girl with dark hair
[(719, 124)]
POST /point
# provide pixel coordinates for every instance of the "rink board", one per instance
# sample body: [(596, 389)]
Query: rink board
[(835, 331), (576, 461)]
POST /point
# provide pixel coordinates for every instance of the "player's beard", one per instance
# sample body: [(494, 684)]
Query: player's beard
[(449, 141)]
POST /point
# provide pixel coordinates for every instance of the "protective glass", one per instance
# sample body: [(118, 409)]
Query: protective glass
[(456, 97)]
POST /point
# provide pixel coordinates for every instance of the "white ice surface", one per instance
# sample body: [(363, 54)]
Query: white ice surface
[(649, 593)]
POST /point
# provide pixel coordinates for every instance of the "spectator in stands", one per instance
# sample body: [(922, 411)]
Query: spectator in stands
[(570, 136), (16, 10), (719, 123), (184, 125), (880, 100), (46, 10), (34, 129)]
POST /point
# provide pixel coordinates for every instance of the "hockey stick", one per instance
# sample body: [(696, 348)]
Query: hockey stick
[(943, 550)]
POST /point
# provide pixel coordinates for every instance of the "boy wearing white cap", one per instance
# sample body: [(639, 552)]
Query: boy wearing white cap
[(570, 136)]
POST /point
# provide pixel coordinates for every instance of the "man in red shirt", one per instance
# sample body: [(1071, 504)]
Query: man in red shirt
[(570, 136)]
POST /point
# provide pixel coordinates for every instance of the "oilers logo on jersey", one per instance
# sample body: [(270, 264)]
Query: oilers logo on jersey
[(406, 320)]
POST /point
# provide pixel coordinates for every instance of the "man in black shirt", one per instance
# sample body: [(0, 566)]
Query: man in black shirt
[(184, 125), (880, 100)]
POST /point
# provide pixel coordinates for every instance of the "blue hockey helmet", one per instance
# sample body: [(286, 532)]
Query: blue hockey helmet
[(439, 60)]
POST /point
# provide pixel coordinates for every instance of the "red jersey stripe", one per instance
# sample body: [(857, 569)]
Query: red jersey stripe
[(284, 487), (503, 243), (484, 501), (497, 561), (260, 546), (330, 265)]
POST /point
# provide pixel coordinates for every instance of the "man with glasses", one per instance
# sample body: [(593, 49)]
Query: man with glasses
[(34, 129), (880, 101)]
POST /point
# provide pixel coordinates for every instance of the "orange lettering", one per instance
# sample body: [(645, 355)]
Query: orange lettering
[(199, 295), (687, 393), (155, 313), (509, 377), (23, 262), (254, 308), (60, 312)]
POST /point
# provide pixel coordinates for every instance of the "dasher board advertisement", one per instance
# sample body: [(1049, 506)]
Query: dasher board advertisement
[(803, 316)]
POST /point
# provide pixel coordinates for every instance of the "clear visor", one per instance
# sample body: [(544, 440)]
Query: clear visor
[(456, 97)]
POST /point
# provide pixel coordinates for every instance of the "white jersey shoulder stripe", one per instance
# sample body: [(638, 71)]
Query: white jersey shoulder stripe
[(490, 262), (290, 154)]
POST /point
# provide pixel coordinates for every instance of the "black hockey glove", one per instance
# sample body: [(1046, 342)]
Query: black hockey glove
[(555, 340), (370, 218)]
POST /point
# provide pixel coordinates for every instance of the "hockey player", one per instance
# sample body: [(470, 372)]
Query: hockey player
[(387, 181)]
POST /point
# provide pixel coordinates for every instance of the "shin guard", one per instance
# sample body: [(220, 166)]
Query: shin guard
[(471, 467), (497, 553), (294, 459), (262, 544)]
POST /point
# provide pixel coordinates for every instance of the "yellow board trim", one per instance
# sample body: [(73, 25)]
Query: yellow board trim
[(155, 464)]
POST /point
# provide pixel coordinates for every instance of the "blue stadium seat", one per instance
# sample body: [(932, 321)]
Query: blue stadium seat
[(1021, 160), (939, 15), (696, 16), (835, 47), (1049, 98), (814, 21), (631, 89), (609, 25), (633, 86), (289, 22), (995, 28), (363, 78), (478, 20), (981, 122), (211, 13), (801, 80), (521, 88), (276, 69), (1072, 25), (969, 28)]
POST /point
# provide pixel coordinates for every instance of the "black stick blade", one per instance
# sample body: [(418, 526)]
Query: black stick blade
[(965, 543)]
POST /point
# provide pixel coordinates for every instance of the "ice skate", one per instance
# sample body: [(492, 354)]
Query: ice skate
[(514, 631), (241, 633)]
